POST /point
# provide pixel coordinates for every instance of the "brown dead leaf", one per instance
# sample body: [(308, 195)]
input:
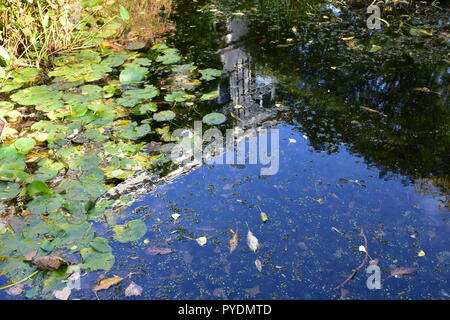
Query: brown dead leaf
[(49, 262), (401, 271), (233, 242), (106, 283), (30, 255), (153, 251)]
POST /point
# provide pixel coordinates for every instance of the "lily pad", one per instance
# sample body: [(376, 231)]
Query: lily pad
[(164, 116), (214, 118), (168, 58), (177, 96), (95, 260), (133, 131), (24, 145), (210, 96), (100, 245), (132, 231), (132, 73), (210, 74), (46, 204), (9, 190)]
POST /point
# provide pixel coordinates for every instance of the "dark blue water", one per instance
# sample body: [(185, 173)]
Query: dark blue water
[(302, 254)]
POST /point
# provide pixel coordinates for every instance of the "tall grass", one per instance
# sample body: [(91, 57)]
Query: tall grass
[(150, 19), (33, 31)]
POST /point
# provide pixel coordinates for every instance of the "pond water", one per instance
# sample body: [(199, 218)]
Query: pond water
[(360, 148), (363, 141)]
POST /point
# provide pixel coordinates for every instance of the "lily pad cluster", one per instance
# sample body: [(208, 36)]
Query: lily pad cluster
[(87, 129)]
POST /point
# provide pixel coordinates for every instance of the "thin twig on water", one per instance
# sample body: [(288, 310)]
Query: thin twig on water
[(362, 264)]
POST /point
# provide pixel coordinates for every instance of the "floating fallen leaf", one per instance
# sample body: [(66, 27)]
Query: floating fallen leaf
[(258, 265), (401, 271), (421, 253), (235, 116), (63, 294), (238, 106), (233, 242), (422, 89), (133, 290), (29, 255), (348, 38), (175, 216), (320, 200), (264, 217), (106, 283), (372, 110), (362, 249), (292, 140), (153, 251), (201, 241), (15, 291), (50, 262), (252, 241)]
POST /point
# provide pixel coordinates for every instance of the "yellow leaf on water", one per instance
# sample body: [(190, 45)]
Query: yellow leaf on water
[(106, 283), (264, 217), (292, 140), (348, 38), (362, 249), (201, 241), (175, 216), (421, 253), (233, 242)]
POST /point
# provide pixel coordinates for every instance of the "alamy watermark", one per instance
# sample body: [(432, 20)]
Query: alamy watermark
[(374, 20)]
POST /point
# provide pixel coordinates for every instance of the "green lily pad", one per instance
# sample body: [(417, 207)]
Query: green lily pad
[(210, 96), (85, 162), (132, 73), (210, 74), (24, 145), (9, 190), (100, 245), (25, 75), (164, 115), (115, 59), (39, 95), (130, 98), (37, 187), (168, 58), (145, 108), (214, 118), (133, 131), (177, 96), (46, 204), (94, 260), (132, 231)]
